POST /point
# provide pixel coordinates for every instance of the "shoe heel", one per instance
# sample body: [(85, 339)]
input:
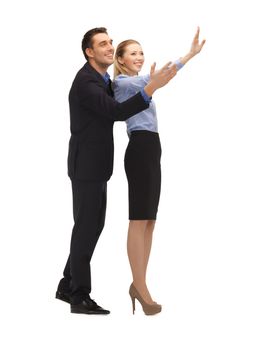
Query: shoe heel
[(149, 309), (133, 304)]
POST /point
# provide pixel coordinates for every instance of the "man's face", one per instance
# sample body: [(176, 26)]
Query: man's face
[(102, 51)]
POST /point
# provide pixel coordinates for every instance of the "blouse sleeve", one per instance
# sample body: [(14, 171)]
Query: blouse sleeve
[(125, 86), (133, 84)]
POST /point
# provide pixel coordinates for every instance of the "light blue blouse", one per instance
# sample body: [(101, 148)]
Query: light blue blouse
[(124, 87)]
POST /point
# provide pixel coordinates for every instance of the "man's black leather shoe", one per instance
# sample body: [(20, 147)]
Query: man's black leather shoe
[(89, 307), (64, 296)]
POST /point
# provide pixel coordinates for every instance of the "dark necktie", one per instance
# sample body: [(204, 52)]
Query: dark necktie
[(109, 88)]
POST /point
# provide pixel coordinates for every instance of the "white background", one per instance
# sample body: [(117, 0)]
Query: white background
[(203, 261)]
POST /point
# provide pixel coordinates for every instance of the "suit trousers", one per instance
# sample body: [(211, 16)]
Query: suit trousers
[(89, 209)]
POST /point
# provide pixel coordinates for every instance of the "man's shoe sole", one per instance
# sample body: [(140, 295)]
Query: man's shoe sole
[(76, 310)]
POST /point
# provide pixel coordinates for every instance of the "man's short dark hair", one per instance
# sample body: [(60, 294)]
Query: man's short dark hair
[(87, 39)]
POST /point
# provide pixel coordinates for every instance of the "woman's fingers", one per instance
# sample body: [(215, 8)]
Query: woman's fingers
[(152, 68), (197, 34)]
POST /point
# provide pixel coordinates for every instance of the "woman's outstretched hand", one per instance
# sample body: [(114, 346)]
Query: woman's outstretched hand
[(196, 47), (159, 78)]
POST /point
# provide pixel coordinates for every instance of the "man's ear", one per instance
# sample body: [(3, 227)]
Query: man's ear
[(89, 52)]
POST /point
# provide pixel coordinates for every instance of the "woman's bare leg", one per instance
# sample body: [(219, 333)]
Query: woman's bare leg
[(148, 243), (138, 254)]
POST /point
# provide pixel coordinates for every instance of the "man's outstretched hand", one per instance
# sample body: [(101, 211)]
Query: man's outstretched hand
[(159, 78)]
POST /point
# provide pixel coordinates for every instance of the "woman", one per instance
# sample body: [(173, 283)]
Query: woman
[(142, 164)]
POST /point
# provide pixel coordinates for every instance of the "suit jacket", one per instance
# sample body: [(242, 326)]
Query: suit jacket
[(93, 112)]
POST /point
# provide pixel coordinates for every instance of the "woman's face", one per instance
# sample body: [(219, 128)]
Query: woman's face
[(132, 59)]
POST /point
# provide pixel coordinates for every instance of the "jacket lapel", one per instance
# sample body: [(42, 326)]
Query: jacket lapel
[(100, 78)]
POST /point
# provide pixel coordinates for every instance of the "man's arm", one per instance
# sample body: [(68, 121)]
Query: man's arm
[(93, 96), (160, 78)]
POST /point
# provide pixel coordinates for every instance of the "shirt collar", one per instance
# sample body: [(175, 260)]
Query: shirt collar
[(106, 77)]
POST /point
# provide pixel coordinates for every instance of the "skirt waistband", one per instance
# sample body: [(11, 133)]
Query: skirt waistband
[(144, 132)]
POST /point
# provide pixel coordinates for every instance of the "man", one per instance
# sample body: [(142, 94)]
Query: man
[(93, 112)]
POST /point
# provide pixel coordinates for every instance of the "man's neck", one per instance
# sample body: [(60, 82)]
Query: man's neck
[(100, 69)]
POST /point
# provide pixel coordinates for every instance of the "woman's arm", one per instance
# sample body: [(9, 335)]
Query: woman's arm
[(195, 48)]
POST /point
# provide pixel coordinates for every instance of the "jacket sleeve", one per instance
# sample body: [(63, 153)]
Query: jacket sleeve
[(93, 96)]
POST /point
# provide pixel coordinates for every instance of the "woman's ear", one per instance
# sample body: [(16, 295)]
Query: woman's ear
[(120, 60)]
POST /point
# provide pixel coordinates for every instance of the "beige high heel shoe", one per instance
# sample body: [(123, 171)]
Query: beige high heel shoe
[(149, 309)]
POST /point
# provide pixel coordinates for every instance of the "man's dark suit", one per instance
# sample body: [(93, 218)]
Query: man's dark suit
[(93, 112)]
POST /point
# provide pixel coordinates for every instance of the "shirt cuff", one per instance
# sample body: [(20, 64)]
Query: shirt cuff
[(178, 64), (145, 96)]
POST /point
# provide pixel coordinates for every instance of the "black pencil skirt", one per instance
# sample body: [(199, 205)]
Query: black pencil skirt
[(143, 171)]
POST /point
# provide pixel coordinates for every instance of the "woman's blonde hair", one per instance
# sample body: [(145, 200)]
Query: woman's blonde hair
[(120, 50)]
